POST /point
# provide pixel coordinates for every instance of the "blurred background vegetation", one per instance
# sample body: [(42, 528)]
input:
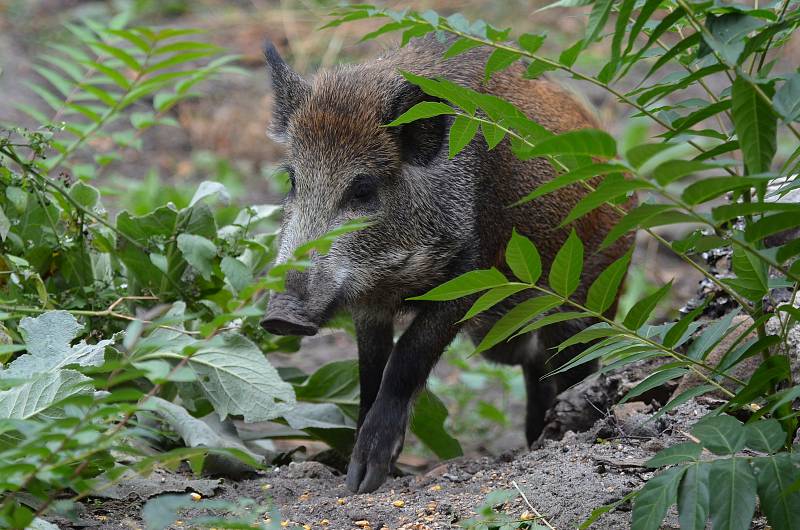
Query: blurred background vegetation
[(220, 136)]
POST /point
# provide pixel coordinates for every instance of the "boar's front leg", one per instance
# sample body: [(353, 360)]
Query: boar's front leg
[(380, 437), (375, 338)]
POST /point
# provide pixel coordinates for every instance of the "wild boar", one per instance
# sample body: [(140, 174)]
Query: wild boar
[(432, 218)]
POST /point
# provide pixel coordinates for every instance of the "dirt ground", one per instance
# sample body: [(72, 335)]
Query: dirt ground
[(563, 481)]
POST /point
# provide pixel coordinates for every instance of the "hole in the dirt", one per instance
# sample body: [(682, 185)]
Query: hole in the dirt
[(661, 394)]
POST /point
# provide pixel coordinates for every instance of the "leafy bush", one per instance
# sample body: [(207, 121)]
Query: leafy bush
[(167, 303), (723, 178)]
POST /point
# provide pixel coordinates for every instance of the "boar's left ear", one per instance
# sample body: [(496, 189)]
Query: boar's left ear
[(289, 91), (421, 140)]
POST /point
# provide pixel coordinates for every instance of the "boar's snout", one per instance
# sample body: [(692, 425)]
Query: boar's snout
[(286, 316)]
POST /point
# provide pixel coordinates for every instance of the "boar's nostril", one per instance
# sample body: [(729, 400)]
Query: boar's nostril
[(285, 316)]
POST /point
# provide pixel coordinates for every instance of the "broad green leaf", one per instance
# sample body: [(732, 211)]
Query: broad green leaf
[(48, 339), (787, 99), (682, 124), (727, 33), (669, 55), (613, 187), (491, 298), (523, 258), (209, 188), (654, 380), (694, 497), (178, 59), (741, 209), (565, 272), (780, 500), (682, 398), (238, 380), (237, 273), (755, 123), (441, 88), (198, 252), (460, 46), (751, 273), (665, 24), (427, 423), (500, 59), (620, 30), (569, 55), (605, 347), (721, 149), (677, 454), (517, 317), (552, 318), (571, 177), (591, 142), (771, 372), (655, 498), (673, 170), (772, 224), (334, 382), (462, 131), (635, 218), (733, 497), (712, 187), (468, 283), (600, 330), (677, 333), (603, 291), (85, 195), (492, 134), (537, 68), (197, 432), (425, 109), (640, 313), (597, 20), (123, 56), (680, 81), (722, 435), (638, 155), (531, 42), (5, 225), (40, 395), (787, 251), (710, 337), (765, 435)]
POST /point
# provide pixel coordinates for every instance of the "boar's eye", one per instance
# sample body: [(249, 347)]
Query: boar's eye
[(290, 176), (364, 188)]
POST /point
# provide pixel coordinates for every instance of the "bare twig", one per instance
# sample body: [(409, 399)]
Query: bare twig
[(534, 510)]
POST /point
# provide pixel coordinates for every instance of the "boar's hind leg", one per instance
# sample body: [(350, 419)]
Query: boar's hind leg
[(374, 335), (380, 438), (525, 351), (542, 393)]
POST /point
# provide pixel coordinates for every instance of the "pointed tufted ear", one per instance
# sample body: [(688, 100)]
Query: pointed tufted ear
[(289, 90), (420, 141)]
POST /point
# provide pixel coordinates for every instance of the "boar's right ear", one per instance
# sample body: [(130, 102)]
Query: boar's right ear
[(289, 91), (421, 140)]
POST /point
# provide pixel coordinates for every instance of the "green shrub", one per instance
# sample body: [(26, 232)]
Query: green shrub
[(167, 300)]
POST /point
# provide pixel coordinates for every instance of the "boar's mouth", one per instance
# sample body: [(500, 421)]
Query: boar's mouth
[(286, 315)]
